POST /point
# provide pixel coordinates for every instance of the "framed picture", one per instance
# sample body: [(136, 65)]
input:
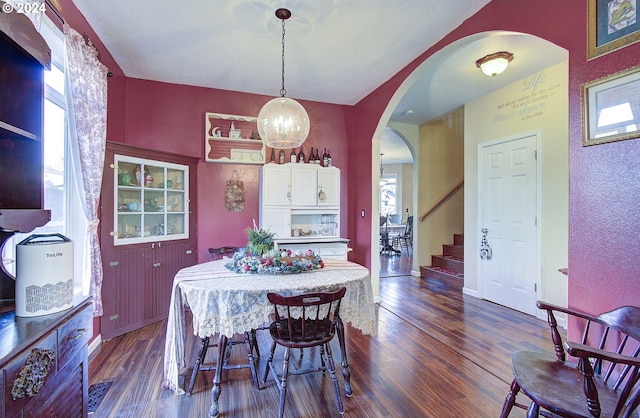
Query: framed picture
[(611, 108), (612, 24)]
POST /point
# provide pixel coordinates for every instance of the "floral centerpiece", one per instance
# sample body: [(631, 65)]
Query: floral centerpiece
[(260, 240), (261, 258)]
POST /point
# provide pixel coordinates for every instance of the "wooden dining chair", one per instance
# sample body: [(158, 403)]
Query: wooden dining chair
[(304, 321), (249, 340), (220, 252), (603, 379)]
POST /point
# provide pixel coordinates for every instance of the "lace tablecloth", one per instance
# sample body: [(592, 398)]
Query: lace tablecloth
[(225, 302)]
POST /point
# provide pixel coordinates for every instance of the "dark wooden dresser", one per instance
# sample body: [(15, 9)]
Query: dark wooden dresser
[(44, 361)]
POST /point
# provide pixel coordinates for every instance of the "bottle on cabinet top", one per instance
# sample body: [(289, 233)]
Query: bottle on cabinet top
[(301, 156), (329, 159), (293, 158), (317, 158), (281, 157), (311, 157), (325, 158)]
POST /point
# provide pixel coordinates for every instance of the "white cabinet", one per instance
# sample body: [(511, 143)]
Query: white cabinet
[(275, 187), (300, 185), (300, 200), (329, 187), (277, 220), (304, 185)]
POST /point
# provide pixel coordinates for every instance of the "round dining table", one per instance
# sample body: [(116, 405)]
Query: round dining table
[(225, 303)]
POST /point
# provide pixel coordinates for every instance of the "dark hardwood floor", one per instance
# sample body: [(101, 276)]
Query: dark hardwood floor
[(437, 353)]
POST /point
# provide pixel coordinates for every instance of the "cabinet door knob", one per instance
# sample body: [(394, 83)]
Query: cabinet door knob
[(112, 233), (189, 252), (156, 265)]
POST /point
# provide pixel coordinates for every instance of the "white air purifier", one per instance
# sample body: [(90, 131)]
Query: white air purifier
[(44, 275)]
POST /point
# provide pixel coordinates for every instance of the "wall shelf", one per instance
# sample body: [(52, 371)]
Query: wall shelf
[(232, 139)]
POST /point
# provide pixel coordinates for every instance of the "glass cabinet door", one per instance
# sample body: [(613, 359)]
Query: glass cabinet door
[(151, 199)]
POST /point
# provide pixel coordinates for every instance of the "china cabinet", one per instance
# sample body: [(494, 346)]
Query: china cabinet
[(300, 204), (152, 199), (148, 233)]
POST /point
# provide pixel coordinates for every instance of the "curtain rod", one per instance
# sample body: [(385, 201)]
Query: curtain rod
[(54, 10)]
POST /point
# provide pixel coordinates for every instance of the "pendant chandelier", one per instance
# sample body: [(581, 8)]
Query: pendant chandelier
[(283, 122)]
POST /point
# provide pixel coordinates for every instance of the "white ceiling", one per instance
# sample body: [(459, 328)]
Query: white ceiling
[(336, 51)]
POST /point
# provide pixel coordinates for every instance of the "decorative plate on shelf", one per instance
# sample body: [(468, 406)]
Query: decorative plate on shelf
[(280, 263)]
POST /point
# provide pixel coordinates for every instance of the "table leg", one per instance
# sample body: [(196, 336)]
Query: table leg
[(215, 392), (343, 351)]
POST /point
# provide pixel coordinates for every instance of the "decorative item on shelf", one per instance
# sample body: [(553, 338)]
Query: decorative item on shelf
[(255, 135), (125, 178), (215, 132), (133, 206), (275, 262), (283, 122), (234, 194), (138, 176), (234, 133)]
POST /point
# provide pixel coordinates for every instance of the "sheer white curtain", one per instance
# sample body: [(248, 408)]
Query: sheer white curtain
[(33, 9), (87, 96)]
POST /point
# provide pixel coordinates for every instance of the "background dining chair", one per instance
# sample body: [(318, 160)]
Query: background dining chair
[(304, 321), (406, 237), (385, 243), (220, 252), (603, 382), (395, 218)]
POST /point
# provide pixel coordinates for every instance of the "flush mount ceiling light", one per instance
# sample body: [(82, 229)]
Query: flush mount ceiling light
[(494, 64), (283, 122)]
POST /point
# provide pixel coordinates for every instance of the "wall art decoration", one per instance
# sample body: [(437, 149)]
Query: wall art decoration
[(611, 107), (611, 25)]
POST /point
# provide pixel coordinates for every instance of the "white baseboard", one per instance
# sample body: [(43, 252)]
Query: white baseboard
[(415, 273), (95, 344)]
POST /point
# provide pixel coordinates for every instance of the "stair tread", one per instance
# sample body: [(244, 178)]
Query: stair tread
[(444, 270), (450, 257)]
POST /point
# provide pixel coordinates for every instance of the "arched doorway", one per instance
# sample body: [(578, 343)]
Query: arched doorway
[(447, 82)]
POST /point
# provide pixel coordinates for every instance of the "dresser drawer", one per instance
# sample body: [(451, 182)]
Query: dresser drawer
[(338, 251), (74, 334), (23, 381)]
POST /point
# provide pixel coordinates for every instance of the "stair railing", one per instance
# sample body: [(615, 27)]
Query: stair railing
[(441, 201)]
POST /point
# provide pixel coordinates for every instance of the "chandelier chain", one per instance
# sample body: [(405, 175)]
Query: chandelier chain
[(283, 91)]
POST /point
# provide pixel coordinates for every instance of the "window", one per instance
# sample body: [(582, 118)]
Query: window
[(388, 194), (60, 193)]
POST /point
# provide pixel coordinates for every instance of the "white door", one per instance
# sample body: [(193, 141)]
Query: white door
[(508, 204)]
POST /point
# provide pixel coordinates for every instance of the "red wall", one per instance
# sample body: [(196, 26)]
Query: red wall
[(604, 220), (170, 117)]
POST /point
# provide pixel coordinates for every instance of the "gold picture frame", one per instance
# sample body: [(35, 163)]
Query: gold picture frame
[(611, 108), (611, 25)]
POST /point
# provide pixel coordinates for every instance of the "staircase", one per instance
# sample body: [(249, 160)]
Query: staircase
[(447, 268)]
